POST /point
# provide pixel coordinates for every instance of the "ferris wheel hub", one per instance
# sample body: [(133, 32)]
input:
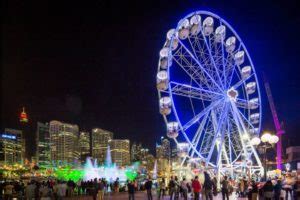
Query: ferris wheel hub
[(232, 94)]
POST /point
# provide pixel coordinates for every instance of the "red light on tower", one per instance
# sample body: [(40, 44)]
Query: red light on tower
[(23, 116)]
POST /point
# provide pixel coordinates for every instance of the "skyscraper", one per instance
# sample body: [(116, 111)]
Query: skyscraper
[(120, 152), (159, 151), (12, 146), (166, 148), (100, 138), (136, 153), (64, 142), (84, 145), (43, 154)]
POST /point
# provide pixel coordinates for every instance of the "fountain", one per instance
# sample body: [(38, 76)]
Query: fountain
[(155, 170), (110, 171)]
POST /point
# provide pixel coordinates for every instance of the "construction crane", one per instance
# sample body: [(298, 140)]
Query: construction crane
[(279, 130)]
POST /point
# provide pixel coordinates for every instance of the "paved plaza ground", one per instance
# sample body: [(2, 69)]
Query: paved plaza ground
[(143, 196)]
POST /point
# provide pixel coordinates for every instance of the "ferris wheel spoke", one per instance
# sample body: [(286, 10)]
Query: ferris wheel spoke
[(217, 134), (223, 58), (248, 122), (192, 92), (220, 149), (234, 145), (242, 81), (198, 134), (199, 64), (249, 146), (197, 76), (212, 58), (230, 146), (242, 103), (201, 114), (234, 69), (240, 131)]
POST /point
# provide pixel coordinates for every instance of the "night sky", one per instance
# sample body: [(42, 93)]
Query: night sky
[(94, 63)]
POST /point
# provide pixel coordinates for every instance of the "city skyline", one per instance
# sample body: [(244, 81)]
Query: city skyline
[(77, 73)]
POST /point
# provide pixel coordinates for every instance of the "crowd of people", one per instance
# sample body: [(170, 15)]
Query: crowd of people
[(205, 189)]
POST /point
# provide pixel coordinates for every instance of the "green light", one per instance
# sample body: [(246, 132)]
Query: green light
[(67, 173), (131, 174)]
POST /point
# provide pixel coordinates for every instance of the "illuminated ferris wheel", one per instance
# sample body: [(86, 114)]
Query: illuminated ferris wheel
[(209, 94)]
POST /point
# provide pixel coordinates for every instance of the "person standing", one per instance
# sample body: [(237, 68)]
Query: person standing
[(268, 190), (224, 188), (172, 187), (131, 189), (148, 187), (162, 188), (8, 191), (208, 186), (30, 190), (196, 188), (100, 194), (184, 187), (277, 190), (116, 185), (254, 191), (177, 188), (61, 190)]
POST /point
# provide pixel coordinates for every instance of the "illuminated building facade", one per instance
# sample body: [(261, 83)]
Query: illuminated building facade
[(120, 152), (159, 151), (136, 152), (64, 142), (100, 141), (163, 150), (166, 148), (84, 145), (43, 155), (12, 147)]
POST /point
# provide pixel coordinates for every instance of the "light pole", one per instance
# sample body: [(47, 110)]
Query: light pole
[(265, 142)]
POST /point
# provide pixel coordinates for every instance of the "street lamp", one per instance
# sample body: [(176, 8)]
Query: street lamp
[(266, 141)]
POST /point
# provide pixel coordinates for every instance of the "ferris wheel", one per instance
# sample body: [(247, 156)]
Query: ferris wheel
[(209, 94)]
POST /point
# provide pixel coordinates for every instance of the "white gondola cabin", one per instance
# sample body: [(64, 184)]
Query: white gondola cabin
[(208, 26), (165, 104), (162, 80), (230, 44), (195, 24), (172, 129)]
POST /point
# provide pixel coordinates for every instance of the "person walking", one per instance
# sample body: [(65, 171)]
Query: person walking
[(196, 188), (208, 186), (162, 188), (224, 188), (184, 187), (172, 187), (148, 187), (131, 189)]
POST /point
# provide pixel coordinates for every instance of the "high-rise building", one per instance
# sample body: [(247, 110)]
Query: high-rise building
[(166, 148), (144, 153), (43, 155), (159, 151), (100, 140), (120, 152), (12, 146), (84, 145), (64, 142), (136, 153)]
